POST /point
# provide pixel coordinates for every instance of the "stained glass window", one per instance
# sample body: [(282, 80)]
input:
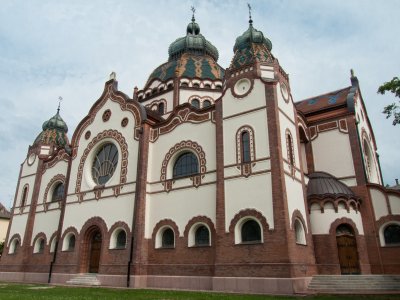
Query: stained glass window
[(104, 163)]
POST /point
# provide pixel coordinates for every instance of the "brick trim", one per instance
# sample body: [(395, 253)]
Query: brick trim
[(249, 213), (200, 219), (343, 220), (57, 178)]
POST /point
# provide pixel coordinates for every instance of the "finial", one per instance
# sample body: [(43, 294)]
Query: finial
[(352, 72), (113, 76), (250, 20), (59, 104), (193, 11)]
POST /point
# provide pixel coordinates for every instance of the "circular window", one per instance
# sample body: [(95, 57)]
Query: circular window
[(242, 86), (284, 92), (104, 163), (31, 159)]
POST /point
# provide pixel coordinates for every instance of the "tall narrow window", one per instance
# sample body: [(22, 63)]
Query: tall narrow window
[(121, 239), (24, 196), (58, 193), (161, 108), (71, 243), (245, 139), (186, 165), (41, 246)]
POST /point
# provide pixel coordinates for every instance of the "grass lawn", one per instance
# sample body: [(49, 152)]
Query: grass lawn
[(33, 292)]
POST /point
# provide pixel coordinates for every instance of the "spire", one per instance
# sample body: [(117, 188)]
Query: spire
[(250, 20), (353, 78), (193, 11), (59, 104)]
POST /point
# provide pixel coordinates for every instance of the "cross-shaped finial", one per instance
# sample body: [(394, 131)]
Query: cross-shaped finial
[(248, 5), (59, 103), (193, 11)]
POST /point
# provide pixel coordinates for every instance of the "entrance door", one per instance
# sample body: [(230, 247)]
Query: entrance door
[(95, 250), (347, 250)]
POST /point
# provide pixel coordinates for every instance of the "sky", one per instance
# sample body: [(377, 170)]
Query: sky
[(68, 48)]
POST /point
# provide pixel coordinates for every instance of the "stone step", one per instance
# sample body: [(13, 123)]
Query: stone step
[(84, 279), (355, 283)]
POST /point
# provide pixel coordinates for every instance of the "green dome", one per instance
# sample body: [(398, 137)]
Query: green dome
[(54, 132), (191, 56), (251, 46), (193, 42)]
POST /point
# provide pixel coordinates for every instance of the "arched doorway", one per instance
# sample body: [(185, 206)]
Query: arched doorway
[(347, 250), (94, 251)]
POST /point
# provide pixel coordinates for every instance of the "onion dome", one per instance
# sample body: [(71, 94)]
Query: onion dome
[(54, 132), (322, 184), (191, 56), (251, 46)]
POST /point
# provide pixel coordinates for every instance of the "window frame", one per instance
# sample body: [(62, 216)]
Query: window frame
[(178, 159)]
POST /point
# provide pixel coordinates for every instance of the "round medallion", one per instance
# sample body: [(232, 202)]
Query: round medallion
[(124, 122), (106, 115), (87, 134), (242, 87), (31, 159), (284, 92)]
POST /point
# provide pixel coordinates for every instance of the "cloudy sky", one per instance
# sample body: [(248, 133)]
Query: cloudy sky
[(68, 48)]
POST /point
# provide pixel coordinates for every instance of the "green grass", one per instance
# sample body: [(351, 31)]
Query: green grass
[(34, 292)]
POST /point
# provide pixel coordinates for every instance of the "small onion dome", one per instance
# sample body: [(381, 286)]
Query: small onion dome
[(322, 184), (251, 46), (191, 56), (193, 42), (54, 132)]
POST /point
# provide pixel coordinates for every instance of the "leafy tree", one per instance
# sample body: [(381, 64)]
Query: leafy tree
[(393, 109), (1, 248)]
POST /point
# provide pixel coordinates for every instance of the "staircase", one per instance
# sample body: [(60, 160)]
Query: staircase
[(362, 284), (85, 279)]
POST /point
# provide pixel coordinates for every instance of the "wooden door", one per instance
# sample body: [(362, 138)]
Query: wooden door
[(348, 256), (95, 250)]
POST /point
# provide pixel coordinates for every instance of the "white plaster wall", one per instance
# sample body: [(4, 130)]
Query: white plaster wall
[(321, 222), (363, 124), (30, 180), (184, 95), (47, 223), (332, 153), (27, 169), (3, 229), (286, 124), (258, 121), (286, 107), (60, 168), (303, 157), (254, 192), (97, 127), (201, 133), (168, 97), (255, 99), (394, 204), (379, 203), (111, 210), (295, 196), (180, 206), (18, 225)]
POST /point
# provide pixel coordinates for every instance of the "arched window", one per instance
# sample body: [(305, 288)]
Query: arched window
[(71, 242), (207, 86), (24, 195), (58, 192), (168, 239), (251, 231), (289, 145), (161, 108), (206, 103), (202, 236), (104, 163), (196, 85), (195, 103), (344, 229), (186, 164), (299, 231), (184, 84), (392, 234), (245, 143), (14, 246), (121, 239)]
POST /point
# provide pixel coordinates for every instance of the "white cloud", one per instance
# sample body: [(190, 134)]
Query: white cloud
[(51, 48)]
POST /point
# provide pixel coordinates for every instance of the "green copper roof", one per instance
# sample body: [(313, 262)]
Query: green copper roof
[(54, 132), (193, 42), (190, 56), (251, 47)]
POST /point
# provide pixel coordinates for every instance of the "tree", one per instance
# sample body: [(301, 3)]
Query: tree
[(1, 248), (393, 109)]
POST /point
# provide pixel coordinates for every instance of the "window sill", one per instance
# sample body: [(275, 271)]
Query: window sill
[(166, 248), (250, 243), (391, 245), (118, 248), (301, 244), (200, 246)]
